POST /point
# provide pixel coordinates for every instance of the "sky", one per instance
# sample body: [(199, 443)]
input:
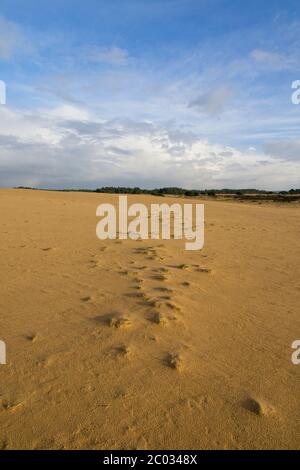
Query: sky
[(190, 93)]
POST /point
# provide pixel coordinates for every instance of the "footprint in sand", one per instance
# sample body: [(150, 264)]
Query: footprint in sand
[(114, 320), (190, 267), (160, 317), (173, 306), (124, 273), (145, 250), (150, 302), (183, 266), (258, 407), (136, 287), (161, 269), (157, 317), (137, 280), (31, 337), (10, 406), (137, 295), (164, 289), (159, 277), (94, 263), (202, 269), (174, 361), (137, 283), (165, 297), (121, 351), (186, 284), (195, 403)]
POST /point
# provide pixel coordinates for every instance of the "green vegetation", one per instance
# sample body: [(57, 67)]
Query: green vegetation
[(241, 194)]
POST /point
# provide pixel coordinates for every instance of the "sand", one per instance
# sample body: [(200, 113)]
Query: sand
[(141, 344)]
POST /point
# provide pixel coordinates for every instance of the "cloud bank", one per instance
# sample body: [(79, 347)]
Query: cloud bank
[(86, 111), (69, 147)]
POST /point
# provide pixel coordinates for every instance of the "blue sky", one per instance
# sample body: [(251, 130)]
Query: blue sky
[(150, 93)]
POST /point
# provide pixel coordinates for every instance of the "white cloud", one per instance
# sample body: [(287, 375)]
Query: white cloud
[(109, 55), (284, 150), (9, 38), (272, 59), (71, 148), (12, 40), (213, 101), (67, 112), (61, 141)]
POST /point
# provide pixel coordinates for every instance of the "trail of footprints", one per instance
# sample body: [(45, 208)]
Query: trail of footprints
[(150, 287), (153, 292)]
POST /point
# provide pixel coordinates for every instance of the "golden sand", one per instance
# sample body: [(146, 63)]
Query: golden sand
[(141, 344)]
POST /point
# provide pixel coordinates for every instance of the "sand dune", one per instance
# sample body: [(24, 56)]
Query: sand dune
[(126, 344)]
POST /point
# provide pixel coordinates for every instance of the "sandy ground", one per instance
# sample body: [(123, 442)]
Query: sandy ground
[(141, 344)]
